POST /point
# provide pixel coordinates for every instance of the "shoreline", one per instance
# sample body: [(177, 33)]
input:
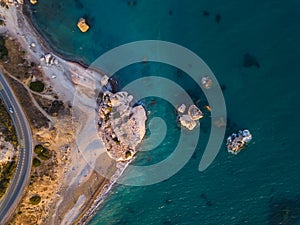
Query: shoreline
[(96, 206), (92, 206), (26, 12), (104, 191)]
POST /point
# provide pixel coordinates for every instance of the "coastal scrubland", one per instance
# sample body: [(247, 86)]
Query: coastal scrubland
[(8, 131)]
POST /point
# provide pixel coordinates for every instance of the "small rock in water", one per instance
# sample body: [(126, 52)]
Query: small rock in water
[(250, 60), (206, 82), (195, 113), (82, 25), (187, 122), (235, 142), (181, 108)]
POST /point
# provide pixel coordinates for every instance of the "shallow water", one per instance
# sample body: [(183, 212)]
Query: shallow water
[(242, 189)]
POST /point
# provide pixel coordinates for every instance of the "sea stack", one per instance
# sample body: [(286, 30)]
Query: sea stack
[(121, 126), (82, 25)]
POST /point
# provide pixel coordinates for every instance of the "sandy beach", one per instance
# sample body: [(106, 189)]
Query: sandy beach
[(73, 189)]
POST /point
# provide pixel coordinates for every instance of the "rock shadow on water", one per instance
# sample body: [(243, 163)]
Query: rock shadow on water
[(231, 127), (89, 20), (284, 211), (206, 200)]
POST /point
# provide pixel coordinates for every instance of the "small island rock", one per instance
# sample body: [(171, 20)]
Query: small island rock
[(195, 113), (187, 122), (82, 25), (181, 109), (206, 82), (236, 142)]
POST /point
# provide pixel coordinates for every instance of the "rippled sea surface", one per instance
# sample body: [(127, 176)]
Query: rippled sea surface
[(260, 185)]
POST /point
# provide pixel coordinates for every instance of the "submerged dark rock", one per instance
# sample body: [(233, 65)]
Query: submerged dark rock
[(250, 60), (223, 87), (78, 4), (205, 13), (218, 18), (168, 201), (131, 3), (284, 212), (206, 200), (170, 12)]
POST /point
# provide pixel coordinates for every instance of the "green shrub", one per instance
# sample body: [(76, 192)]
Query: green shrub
[(37, 86), (6, 174), (3, 49), (127, 154), (34, 200), (42, 152), (36, 162)]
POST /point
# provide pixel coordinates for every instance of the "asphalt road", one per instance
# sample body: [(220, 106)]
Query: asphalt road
[(17, 185)]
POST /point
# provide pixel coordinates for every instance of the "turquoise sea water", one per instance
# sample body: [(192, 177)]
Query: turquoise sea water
[(258, 186)]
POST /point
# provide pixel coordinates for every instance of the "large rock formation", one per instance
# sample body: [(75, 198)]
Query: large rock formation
[(121, 127)]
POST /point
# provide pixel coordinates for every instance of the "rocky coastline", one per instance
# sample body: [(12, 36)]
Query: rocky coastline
[(37, 46)]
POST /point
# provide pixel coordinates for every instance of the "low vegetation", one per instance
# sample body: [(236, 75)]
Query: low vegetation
[(42, 152), (15, 55), (7, 171), (37, 86), (36, 162), (34, 200), (3, 49), (6, 126), (36, 118)]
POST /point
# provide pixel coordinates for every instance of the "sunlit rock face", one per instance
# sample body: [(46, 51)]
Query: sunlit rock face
[(82, 25), (121, 127), (195, 113), (189, 120), (236, 142)]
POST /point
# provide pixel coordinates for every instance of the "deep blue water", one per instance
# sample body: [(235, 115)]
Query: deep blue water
[(258, 186)]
